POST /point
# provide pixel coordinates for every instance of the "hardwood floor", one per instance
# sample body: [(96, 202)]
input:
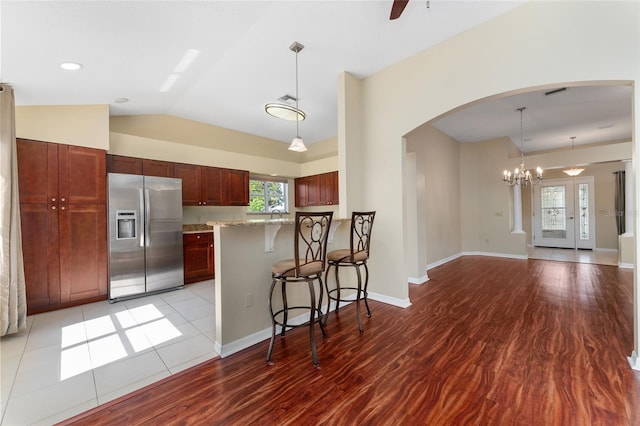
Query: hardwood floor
[(487, 341)]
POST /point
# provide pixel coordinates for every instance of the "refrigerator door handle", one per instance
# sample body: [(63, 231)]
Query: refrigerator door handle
[(143, 235), (147, 217)]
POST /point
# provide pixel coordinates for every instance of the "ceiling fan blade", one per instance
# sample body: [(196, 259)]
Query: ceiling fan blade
[(397, 8)]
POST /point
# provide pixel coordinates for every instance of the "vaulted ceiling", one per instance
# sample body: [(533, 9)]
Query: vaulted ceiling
[(220, 62)]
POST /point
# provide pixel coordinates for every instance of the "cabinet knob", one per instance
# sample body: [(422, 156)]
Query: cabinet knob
[(211, 245), (62, 208), (198, 236), (199, 203), (53, 207), (62, 199), (204, 202), (53, 199)]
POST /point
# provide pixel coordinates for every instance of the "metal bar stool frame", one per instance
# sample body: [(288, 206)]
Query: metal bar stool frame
[(356, 256), (308, 265)]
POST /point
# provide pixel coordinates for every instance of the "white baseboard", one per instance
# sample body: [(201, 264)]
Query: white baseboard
[(625, 265), (421, 280), (443, 261), (401, 303), (265, 334)]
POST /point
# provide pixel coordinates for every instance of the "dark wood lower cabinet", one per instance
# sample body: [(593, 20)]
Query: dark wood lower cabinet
[(83, 252), (198, 257)]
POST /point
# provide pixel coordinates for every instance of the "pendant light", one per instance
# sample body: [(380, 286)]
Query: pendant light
[(297, 144), (574, 171), (521, 176), (289, 112)]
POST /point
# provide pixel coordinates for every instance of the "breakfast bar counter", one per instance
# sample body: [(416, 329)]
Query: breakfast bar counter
[(245, 251)]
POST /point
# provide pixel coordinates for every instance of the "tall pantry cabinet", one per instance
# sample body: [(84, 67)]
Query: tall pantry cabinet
[(63, 215)]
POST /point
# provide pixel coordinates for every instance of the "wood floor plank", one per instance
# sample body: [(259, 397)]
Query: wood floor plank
[(487, 341)]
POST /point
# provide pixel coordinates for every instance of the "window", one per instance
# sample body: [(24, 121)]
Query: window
[(266, 196)]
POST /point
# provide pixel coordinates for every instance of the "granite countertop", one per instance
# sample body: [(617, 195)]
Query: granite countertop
[(259, 222), (196, 228), (252, 222)]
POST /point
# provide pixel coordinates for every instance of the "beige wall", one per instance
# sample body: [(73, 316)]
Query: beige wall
[(486, 203), (82, 125), (438, 194), (502, 56), (182, 131)]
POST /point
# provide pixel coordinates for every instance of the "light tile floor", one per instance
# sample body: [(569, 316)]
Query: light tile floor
[(71, 360), (572, 255)]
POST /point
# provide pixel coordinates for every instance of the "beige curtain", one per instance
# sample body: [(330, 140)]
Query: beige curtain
[(13, 301)]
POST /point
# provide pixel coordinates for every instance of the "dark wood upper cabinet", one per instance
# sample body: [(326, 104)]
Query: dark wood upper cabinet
[(212, 186), (329, 188), (201, 185), (81, 174), (122, 164), (191, 176), (236, 188), (317, 190), (37, 171), (158, 168)]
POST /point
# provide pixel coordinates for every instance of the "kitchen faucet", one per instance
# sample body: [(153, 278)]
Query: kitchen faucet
[(278, 211)]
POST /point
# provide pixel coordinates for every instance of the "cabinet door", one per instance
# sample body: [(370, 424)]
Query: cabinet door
[(158, 168), (191, 176), (301, 191), (328, 188), (83, 251), (41, 256), (198, 257), (212, 184), (82, 175), (122, 164), (236, 188), (37, 171), (313, 190)]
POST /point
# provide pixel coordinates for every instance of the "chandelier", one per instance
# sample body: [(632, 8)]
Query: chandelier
[(574, 171), (289, 112), (521, 176)]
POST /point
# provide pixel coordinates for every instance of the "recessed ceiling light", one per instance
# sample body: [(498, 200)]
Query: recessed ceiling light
[(70, 66), (121, 100)]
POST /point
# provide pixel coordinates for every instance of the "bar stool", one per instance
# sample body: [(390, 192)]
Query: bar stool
[(355, 256), (308, 264)]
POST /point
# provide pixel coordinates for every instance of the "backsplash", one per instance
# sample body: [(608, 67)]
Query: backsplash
[(202, 214)]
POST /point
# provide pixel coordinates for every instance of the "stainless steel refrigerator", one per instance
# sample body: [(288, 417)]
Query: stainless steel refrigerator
[(145, 235)]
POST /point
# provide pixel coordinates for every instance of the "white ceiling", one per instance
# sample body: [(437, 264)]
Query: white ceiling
[(129, 49)]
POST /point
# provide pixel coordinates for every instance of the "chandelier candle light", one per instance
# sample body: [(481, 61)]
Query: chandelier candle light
[(521, 176)]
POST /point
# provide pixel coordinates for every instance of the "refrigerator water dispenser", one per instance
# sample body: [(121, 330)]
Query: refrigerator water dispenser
[(125, 224)]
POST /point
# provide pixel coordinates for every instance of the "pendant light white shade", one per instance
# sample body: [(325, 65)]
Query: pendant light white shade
[(297, 145), (573, 171)]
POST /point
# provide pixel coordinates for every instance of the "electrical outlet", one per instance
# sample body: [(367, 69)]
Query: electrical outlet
[(248, 300)]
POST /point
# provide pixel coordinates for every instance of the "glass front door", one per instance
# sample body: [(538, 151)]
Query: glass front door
[(563, 214)]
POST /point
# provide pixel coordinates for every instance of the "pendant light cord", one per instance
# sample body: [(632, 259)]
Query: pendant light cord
[(297, 96)]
